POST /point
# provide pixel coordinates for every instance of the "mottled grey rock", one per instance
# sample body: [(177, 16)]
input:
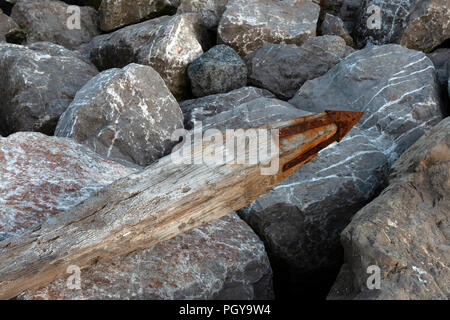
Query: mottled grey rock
[(9, 30), (347, 10), (221, 260), (301, 219), (210, 10), (405, 231), (253, 113), (197, 110), (284, 68), (45, 20), (118, 13), (416, 24), (124, 114), (45, 176), (167, 44), (332, 25), (218, 70), (38, 83), (247, 24)]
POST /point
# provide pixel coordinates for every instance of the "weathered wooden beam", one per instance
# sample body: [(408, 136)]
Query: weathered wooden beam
[(159, 203)]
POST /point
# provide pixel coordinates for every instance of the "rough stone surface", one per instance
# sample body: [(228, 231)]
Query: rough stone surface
[(441, 61), (197, 110), (44, 176), (9, 30), (221, 260), (124, 114), (405, 231), (38, 83), (210, 10), (284, 68), (45, 20), (332, 25), (118, 13), (416, 24), (347, 10), (218, 70), (168, 44), (301, 219), (247, 24)]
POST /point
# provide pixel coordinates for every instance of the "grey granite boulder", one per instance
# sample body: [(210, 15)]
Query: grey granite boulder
[(332, 25), (220, 260), (405, 231), (124, 114), (346, 10), (210, 10), (301, 219), (218, 70), (416, 24), (48, 20), (247, 24), (284, 68), (9, 30), (38, 83), (195, 111), (119, 13), (167, 44)]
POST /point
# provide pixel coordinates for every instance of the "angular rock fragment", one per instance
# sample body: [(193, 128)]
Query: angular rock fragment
[(197, 110), (247, 24), (332, 25), (219, 70), (124, 114), (210, 10), (405, 231), (416, 24), (45, 176), (167, 44), (221, 260), (118, 13), (39, 82), (284, 68), (9, 30), (56, 21), (347, 10)]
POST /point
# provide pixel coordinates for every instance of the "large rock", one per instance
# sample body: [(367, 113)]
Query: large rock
[(47, 20), (219, 70), (284, 68), (416, 24), (168, 44), (118, 13), (195, 111), (301, 219), (124, 114), (45, 176), (405, 231), (247, 24), (221, 260), (38, 83), (210, 10), (9, 30), (332, 25)]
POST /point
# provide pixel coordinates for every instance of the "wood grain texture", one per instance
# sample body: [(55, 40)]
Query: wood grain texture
[(151, 206)]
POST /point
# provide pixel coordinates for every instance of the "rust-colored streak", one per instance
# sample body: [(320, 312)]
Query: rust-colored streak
[(344, 120)]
